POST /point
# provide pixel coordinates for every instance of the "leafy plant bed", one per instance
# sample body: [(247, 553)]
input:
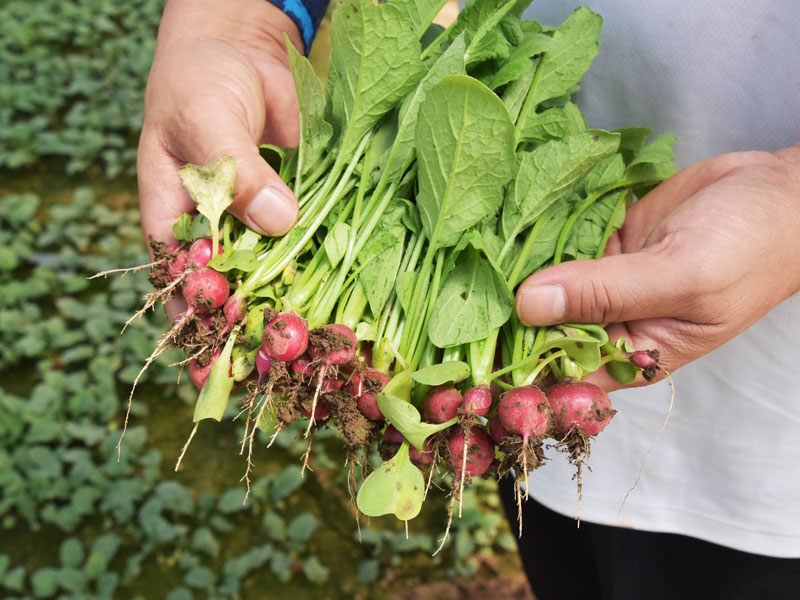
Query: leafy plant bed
[(74, 522)]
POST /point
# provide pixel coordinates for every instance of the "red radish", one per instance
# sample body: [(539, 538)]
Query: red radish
[(480, 451), (441, 403), (199, 374), (496, 429), (285, 337), (332, 384), (205, 322), (423, 458), (342, 341), (365, 389), (235, 309), (477, 401), (392, 436), (321, 412), (579, 406), (647, 361), (263, 363), (524, 411), (200, 252), (303, 366), (177, 265), (205, 289)]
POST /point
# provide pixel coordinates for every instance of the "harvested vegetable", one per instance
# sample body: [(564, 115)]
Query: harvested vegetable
[(436, 170)]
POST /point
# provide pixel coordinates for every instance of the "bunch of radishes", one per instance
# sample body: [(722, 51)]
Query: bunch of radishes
[(431, 181)]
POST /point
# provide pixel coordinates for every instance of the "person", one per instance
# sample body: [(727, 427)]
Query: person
[(705, 270)]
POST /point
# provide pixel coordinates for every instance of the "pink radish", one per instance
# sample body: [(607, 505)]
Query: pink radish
[(199, 374), (200, 252), (285, 337), (303, 366), (333, 344), (423, 458), (321, 412), (496, 429), (441, 403), (477, 401), (579, 406), (177, 265), (263, 363), (366, 389), (524, 411), (205, 290), (392, 436), (480, 451)]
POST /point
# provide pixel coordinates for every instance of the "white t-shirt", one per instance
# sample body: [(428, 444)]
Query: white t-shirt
[(723, 75)]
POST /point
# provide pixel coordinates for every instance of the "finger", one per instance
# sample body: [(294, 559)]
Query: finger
[(162, 198), (644, 216), (262, 201), (616, 288)]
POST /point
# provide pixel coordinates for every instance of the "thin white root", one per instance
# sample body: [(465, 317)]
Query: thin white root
[(189, 359), (126, 270), (151, 299), (655, 441), (160, 348), (253, 429), (518, 494), (463, 473), (450, 511), (314, 402), (186, 446)]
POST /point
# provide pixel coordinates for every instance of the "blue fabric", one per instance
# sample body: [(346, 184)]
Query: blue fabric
[(306, 14)]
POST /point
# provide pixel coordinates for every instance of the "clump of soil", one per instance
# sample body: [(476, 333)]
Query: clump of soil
[(159, 275), (357, 431)]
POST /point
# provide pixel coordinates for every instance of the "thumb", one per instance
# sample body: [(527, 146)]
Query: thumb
[(262, 201), (623, 287)]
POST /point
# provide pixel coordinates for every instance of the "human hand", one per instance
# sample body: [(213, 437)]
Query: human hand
[(220, 84), (700, 258)]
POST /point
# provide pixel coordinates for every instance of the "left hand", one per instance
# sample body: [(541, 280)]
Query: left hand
[(700, 259)]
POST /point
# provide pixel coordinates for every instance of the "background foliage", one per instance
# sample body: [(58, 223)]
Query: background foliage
[(75, 522)]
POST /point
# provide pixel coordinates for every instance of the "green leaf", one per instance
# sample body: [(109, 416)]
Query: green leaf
[(232, 501), (452, 62), (188, 228), (548, 173), (71, 553), (464, 140), (568, 58), (622, 372), (44, 582), (213, 398), (374, 62), (450, 371), (229, 259), (336, 242), (396, 487), (473, 301), (315, 132), (315, 571), (301, 527), (420, 13), (518, 63), (394, 403), (211, 188)]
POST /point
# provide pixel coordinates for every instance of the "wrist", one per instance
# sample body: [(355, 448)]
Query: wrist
[(255, 27)]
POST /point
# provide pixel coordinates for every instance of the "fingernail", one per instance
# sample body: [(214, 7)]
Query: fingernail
[(541, 304), (273, 211)]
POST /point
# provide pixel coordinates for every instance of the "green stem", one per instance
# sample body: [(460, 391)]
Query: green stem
[(287, 249)]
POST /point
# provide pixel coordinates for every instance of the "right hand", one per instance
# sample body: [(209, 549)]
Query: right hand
[(220, 84)]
